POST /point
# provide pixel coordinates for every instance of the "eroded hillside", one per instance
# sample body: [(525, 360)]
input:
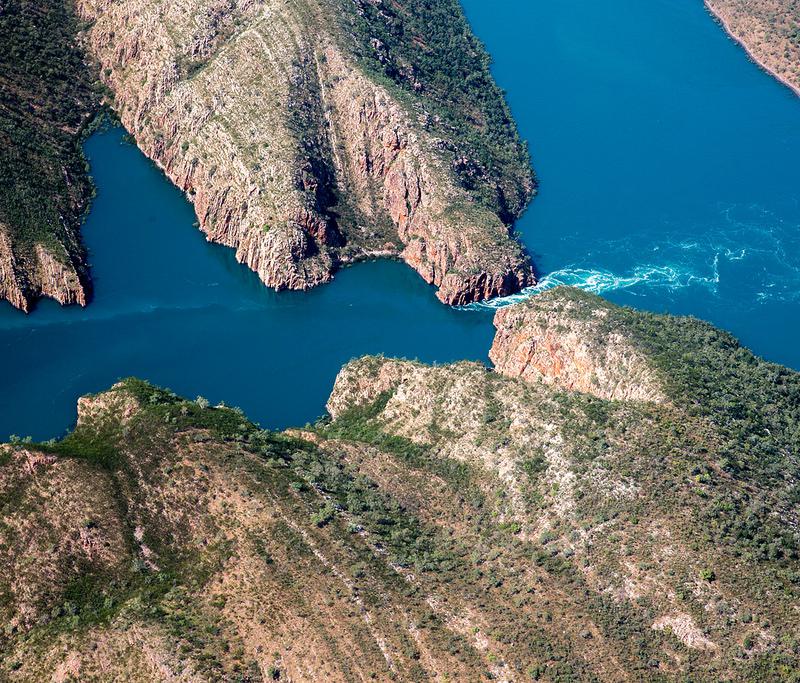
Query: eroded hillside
[(444, 523), (770, 32)]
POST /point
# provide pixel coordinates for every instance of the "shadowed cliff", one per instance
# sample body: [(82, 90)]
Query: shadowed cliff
[(46, 100)]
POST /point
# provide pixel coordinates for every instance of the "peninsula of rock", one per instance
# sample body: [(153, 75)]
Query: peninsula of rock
[(616, 501), (308, 135)]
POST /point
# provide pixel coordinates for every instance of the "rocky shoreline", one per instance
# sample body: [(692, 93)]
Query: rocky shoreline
[(327, 168), (759, 39), (23, 280)]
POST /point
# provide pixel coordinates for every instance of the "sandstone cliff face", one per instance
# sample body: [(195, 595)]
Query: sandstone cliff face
[(770, 32), (10, 286), (572, 344), (23, 279), (291, 153)]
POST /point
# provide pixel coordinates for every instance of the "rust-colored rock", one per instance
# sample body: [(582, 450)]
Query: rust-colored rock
[(567, 341), (23, 279)]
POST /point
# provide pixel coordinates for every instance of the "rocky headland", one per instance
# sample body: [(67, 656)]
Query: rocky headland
[(308, 135), (47, 99), (547, 520)]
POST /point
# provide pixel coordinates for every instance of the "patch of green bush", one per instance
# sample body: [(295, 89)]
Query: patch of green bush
[(47, 97)]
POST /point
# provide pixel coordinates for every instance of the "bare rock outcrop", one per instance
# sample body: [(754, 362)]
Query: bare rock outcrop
[(292, 153), (568, 341), (619, 495), (25, 278)]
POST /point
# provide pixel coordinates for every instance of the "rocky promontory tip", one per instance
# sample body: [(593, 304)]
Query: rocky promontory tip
[(571, 340), (25, 277), (46, 99), (308, 136)]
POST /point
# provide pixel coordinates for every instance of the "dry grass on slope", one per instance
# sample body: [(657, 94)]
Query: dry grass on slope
[(445, 523)]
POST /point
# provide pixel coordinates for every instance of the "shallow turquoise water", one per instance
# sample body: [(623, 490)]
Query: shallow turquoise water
[(668, 167)]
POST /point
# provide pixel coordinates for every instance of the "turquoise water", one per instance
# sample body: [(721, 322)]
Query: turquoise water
[(180, 312), (668, 168)]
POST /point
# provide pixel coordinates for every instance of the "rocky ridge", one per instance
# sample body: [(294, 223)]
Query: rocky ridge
[(293, 152), (444, 523)]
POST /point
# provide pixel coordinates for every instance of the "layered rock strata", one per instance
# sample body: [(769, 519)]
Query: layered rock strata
[(573, 344), (26, 277), (297, 155)]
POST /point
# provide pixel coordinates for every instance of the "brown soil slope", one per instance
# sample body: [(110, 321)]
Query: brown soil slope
[(445, 523)]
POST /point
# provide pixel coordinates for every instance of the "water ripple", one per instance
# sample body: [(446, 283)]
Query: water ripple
[(750, 256)]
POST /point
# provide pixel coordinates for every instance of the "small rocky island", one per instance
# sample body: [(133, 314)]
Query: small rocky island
[(617, 500), (308, 135)]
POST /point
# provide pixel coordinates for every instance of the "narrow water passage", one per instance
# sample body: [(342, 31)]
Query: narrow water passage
[(668, 166), (182, 313), (669, 162)]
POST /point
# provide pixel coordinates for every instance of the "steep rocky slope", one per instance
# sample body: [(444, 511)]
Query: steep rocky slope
[(575, 347), (308, 134), (445, 523), (770, 32), (312, 133), (46, 97)]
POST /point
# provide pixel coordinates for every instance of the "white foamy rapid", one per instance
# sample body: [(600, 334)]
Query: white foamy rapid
[(759, 258), (601, 281)]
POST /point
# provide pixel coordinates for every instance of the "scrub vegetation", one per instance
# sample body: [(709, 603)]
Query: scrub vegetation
[(769, 30), (426, 51), (443, 523), (46, 99)]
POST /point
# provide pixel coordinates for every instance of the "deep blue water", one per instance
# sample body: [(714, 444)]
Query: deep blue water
[(668, 167), (669, 163)]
